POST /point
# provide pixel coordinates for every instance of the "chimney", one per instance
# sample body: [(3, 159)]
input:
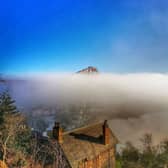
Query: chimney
[(57, 132), (106, 133)]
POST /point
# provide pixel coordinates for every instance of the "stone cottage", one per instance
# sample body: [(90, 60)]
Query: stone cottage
[(92, 146)]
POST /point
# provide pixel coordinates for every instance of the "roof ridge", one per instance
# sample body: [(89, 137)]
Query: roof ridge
[(84, 127)]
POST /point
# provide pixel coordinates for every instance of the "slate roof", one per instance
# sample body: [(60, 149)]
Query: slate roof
[(85, 143)]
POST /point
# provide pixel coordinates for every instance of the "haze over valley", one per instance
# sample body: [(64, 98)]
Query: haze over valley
[(134, 104)]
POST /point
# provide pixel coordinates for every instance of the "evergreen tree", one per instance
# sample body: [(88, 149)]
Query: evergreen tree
[(1, 115), (7, 105)]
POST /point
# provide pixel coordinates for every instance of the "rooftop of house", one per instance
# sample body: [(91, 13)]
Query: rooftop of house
[(86, 143)]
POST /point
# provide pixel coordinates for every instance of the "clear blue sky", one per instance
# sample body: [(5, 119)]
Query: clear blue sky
[(67, 35)]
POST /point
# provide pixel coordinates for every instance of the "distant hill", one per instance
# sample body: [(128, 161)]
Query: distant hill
[(89, 70)]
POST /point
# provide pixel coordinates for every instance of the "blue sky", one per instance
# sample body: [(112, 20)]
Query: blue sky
[(67, 35)]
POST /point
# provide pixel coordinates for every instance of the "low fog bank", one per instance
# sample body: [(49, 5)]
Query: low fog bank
[(135, 103), (133, 129)]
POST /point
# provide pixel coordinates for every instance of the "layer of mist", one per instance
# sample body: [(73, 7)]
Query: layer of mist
[(134, 103)]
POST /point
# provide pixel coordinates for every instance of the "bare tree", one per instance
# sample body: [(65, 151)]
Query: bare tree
[(47, 152), (13, 124)]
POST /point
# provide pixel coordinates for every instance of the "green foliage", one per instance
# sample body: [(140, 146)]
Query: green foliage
[(1, 110), (130, 153), (14, 133), (23, 140), (7, 104), (118, 164), (1, 115), (150, 157)]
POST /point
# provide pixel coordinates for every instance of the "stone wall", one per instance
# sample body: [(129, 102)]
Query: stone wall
[(103, 160)]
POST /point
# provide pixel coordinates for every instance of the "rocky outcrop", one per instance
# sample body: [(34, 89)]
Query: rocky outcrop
[(88, 70)]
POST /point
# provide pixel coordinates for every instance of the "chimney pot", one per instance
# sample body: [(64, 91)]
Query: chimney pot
[(106, 133), (57, 132)]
